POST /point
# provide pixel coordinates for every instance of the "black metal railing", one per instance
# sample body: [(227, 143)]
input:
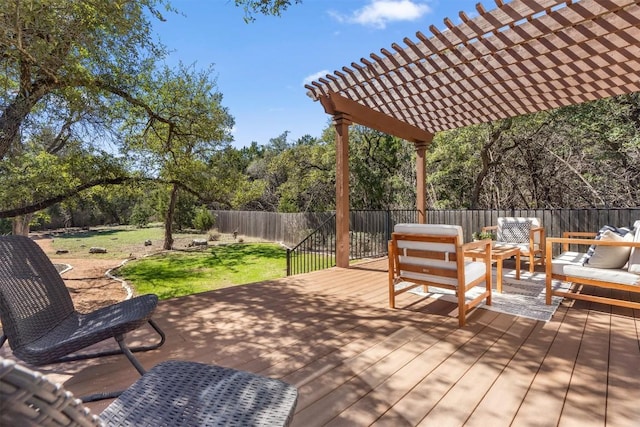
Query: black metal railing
[(316, 252), (369, 232)]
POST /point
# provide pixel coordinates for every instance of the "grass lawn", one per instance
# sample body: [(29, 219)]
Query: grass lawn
[(119, 241), (183, 273)]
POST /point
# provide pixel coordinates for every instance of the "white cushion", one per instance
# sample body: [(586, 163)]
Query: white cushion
[(437, 229), (473, 270), (432, 229), (621, 231), (634, 257), (610, 256), (570, 264)]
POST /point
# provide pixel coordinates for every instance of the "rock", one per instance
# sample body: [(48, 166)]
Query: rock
[(95, 250), (199, 242)]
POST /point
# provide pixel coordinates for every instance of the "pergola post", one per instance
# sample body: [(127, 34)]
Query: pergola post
[(421, 204), (342, 122)]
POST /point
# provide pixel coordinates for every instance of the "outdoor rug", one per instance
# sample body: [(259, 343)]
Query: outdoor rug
[(524, 297)]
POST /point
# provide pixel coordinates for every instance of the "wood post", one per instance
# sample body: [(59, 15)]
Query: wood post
[(342, 122), (421, 204)]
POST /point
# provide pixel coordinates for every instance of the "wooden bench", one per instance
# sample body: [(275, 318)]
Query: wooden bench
[(569, 267)]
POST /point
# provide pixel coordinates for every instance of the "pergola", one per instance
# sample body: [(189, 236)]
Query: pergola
[(522, 57)]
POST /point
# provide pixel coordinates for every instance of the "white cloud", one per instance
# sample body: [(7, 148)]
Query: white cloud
[(307, 80), (379, 12)]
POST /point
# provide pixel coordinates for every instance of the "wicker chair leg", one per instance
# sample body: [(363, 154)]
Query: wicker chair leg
[(113, 394), (101, 396), (127, 352), (159, 331)]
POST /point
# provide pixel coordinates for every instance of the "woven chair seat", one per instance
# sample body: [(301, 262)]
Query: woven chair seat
[(79, 331), (193, 394), (170, 394)]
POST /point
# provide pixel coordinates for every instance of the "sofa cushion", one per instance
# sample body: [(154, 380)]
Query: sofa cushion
[(619, 231), (634, 257), (610, 256), (570, 264)]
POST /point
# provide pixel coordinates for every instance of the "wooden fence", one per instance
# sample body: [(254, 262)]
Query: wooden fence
[(291, 228), (288, 228)]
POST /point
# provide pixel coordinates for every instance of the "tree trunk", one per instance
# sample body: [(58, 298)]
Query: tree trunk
[(20, 225), (168, 221)]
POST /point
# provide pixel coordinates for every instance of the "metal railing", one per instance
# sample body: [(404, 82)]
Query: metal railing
[(369, 232), (316, 252)]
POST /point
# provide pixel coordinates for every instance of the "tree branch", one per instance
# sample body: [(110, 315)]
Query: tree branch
[(43, 204), (132, 100)]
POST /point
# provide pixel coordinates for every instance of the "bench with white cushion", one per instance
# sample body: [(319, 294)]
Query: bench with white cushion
[(614, 264)]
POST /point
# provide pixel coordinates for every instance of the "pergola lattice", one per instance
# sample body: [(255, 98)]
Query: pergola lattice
[(523, 57)]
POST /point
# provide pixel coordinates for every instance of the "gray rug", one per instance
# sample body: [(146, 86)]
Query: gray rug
[(524, 297)]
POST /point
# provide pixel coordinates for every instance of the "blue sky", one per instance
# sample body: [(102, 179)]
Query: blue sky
[(261, 67)]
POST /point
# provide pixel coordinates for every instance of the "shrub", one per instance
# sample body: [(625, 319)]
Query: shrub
[(481, 235), (141, 214), (204, 219)]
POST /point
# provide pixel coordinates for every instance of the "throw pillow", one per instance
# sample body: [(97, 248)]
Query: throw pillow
[(622, 231), (515, 232), (610, 256)]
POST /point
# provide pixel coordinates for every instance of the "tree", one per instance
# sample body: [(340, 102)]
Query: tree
[(62, 54), (33, 179), (381, 169), (69, 65), (310, 176), (584, 155), (177, 150)]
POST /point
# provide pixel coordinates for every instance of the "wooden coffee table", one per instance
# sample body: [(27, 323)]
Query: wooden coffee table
[(498, 255)]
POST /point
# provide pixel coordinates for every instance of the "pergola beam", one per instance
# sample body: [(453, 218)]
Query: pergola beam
[(335, 104)]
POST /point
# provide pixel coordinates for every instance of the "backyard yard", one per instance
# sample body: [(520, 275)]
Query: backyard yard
[(225, 261)]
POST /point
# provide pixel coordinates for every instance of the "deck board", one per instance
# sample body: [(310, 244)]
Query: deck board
[(357, 362), (585, 403), (458, 405), (504, 398)]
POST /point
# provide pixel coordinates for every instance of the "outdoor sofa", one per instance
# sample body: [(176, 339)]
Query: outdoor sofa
[(612, 263)]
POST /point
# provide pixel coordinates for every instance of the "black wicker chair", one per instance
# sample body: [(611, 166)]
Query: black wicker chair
[(171, 394), (40, 321)]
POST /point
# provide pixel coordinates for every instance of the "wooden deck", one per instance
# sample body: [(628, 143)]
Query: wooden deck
[(357, 363)]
